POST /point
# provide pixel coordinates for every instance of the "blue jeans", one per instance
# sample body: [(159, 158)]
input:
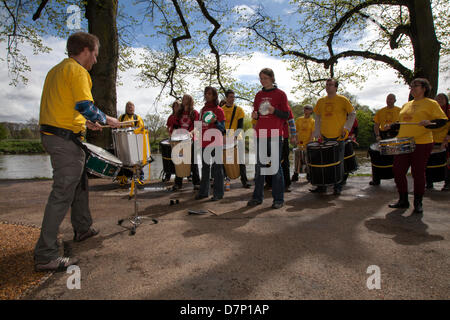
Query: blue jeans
[(277, 178)]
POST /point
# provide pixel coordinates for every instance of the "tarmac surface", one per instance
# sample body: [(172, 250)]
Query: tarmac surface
[(315, 247)]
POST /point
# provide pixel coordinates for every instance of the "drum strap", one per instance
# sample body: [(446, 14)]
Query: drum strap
[(69, 135), (232, 116)]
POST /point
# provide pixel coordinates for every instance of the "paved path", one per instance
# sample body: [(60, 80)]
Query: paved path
[(315, 247)]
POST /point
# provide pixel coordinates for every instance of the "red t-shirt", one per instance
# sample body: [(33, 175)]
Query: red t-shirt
[(220, 116), (171, 122), (278, 99), (186, 122)]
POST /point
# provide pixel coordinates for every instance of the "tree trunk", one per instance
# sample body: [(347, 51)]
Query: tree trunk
[(101, 15), (425, 44)]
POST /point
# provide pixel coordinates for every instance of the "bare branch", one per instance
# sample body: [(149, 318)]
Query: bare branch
[(39, 10)]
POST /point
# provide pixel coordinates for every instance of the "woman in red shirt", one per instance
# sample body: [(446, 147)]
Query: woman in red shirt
[(216, 170)]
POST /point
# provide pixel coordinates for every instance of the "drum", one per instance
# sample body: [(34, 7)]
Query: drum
[(325, 163), (129, 146), (350, 163), (397, 146), (101, 163), (382, 165), (299, 160), (166, 153), (230, 161), (437, 162), (181, 161)]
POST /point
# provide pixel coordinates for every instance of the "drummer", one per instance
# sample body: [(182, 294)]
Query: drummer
[(66, 106), (440, 139), (185, 117), (234, 120), (384, 117), (172, 124), (427, 113), (335, 117), (129, 115), (216, 168), (442, 99), (305, 128)]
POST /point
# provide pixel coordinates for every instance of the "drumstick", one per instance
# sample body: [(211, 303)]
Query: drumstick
[(414, 123), (121, 123)]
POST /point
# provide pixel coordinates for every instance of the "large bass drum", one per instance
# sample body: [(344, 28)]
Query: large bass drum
[(350, 163), (166, 152), (437, 162), (101, 163), (382, 165), (325, 163)]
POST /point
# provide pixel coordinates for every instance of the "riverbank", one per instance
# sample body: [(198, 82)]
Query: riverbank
[(22, 146)]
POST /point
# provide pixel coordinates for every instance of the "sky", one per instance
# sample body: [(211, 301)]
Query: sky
[(21, 103)]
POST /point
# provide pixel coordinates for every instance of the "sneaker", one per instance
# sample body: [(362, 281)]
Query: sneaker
[(253, 202), (277, 205), (58, 264), (83, 236)]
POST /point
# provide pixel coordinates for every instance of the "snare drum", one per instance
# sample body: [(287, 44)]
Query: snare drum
[(230, 161), (129, 146), (381, 164), (397, 146), (299, 160), (166, 152), (437, 162), (101, 163), (350, 163), (325, 163), (181, 161)]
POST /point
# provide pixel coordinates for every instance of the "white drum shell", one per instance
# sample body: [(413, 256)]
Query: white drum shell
[(129, 146)]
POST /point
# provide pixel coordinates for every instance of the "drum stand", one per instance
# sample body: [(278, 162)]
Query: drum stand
[(135, 220)]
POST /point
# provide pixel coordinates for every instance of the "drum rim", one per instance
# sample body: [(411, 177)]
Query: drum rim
[(103, 158)]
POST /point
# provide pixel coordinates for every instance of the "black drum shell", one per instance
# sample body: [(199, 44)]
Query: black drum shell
[(437, 158), (350, 163), (324, 154), (382, 165), (166, 153)]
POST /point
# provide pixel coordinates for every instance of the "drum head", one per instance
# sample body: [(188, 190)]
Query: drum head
[(264, 108), (165, 141), (208, 116), (375, 146), (180, 137), (313, 145), (102, 153)]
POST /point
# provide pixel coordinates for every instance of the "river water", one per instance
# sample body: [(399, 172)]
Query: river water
[(39, 166)]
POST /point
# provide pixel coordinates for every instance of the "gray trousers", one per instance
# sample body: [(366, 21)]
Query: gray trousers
[(69, 190)]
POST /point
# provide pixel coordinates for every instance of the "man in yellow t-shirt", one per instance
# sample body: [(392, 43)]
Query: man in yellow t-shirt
[(129, 115), (335, 116), (386, 116), (234, 120), (305, 128), (66, 107)]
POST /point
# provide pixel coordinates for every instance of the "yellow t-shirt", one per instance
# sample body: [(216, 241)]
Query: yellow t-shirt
[(127, 117), (333, 114), (66, 84), (416, 111), (440, 133), (305, 128), (386, 115), (228, 111)]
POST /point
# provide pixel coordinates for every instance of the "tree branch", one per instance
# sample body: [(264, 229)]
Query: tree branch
[(39, 10), (394, 39)]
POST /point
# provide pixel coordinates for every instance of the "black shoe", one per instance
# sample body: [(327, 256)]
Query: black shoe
[(246, 185), (214, 198), (337, 191), (277, 205), (166, 177), (83, 236), (287, 189), (374, 183), (318, 190), (294, 177), (198, 197), (253, 202), (402, 202), (418, 208)]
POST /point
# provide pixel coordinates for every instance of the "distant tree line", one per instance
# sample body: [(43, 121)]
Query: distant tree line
[(14, 130)]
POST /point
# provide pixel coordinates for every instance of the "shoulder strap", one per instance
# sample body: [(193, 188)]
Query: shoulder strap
[(122, 117), (232, 116), (135, 120)]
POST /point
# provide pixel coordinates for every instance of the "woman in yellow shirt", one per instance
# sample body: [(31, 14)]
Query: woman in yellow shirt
[(428, 115)]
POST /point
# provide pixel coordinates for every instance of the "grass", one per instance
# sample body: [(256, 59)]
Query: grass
[(24, 146)]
